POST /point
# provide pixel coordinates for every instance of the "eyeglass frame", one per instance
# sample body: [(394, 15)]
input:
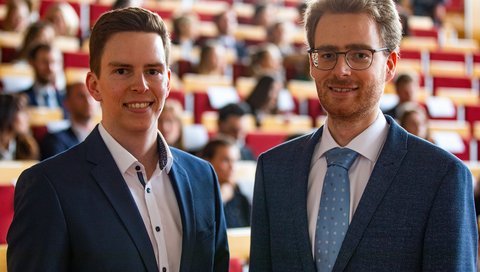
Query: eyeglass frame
[(372, 50)]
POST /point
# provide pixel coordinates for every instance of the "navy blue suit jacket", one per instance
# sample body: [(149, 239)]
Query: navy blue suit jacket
[(55, 143), (33, 98), (74, 212), (416, 213)]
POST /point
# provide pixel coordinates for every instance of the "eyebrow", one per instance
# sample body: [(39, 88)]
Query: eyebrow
[(348, 47), (149, 65)]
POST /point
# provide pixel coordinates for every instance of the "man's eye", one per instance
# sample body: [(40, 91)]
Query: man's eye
[(121, 71), (153, 72), (327, 55)]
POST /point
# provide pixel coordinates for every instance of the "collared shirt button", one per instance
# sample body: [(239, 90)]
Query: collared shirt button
[(157, 228), (148, 190), (164, 269), (137, 168)]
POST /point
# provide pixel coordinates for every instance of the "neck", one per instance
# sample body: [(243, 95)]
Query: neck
[(344, 130), (142, 145)]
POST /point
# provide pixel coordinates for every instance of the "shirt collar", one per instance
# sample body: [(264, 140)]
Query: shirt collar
[(368, 143), (125, 159)]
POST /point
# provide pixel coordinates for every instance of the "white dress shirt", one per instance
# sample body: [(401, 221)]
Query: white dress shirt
[(44, 91), (156, 202), (367, 144)]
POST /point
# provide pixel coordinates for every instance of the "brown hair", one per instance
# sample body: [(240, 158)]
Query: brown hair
[(382, 12), (130, 19)]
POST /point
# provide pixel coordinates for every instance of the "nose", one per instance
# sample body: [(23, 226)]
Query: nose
[(139, 83), (342, 68)]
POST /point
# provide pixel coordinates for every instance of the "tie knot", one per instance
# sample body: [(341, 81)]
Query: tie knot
[(343, 157)]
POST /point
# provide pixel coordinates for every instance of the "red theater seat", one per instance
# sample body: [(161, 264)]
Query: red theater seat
[(261, 141), (76, 59), (6, 210)]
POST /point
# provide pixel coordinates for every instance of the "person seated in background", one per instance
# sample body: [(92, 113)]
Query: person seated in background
[(414, 119), (278, 34), (170, 123), (263, 15), (64, 19), (17, 17), (81, 108), (226, 24), (40, 32), (433, 8), (266, 59), (406, 88), (232, 124), (223, 154), (46, 63), (16, 142), (263, 99), (212, 59), (185, 34)]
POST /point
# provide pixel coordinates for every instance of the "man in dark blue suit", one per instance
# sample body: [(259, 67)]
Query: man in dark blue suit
[(81, 110), (45, 61), (407, 204), (122, 200)]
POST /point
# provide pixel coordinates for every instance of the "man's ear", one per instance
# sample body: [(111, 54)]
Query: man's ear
[(391, 66), (92, 85), (169, 74)]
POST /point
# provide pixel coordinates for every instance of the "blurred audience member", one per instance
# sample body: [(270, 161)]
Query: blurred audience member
[(46, 63), (118, 4), (404, 15), (212, 59), (262, 15), (37, 33), (16, 143), (223, 154), (226, 24), (263, 99), (278, 34), (170, 123), (185, 35), (232, 124), (266, 59), (64, 19), (414, 119), (406, 88), (18, 16), (81, 108), (433, 8)]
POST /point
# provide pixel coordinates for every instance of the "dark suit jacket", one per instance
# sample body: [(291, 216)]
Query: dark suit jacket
[(55, 143), (416, 213), (33, 98), (74, 212)]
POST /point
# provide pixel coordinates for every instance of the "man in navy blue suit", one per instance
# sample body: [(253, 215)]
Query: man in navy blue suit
[(45, 61), (122, 200), (410, 203), (81, 110)]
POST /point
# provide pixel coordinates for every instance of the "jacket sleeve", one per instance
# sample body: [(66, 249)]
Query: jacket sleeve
[(451, 233), (260, 258), (37, 238)]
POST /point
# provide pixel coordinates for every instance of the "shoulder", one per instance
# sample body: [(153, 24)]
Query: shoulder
[(188, 160), (292, 146)]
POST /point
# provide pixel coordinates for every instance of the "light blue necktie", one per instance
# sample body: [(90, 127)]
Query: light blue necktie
[(333, 214)]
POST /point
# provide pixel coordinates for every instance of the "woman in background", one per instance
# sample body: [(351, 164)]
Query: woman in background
[(16, 143), (170, 123), (263, 99), (223, 154)]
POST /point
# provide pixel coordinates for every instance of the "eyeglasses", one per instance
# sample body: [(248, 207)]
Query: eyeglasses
[(357, 59)]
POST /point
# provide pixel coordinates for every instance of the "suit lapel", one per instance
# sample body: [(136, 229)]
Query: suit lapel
[(385, 170), (299, 216), (110, 180), (183, 193)]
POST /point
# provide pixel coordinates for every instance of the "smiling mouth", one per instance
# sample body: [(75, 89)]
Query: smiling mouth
[(138, 105), (343, 90)]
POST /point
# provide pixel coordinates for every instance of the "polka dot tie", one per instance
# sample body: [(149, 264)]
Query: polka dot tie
[(333, 214)]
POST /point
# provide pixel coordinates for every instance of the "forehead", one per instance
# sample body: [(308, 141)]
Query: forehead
[(346, 30), (134, 48)]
